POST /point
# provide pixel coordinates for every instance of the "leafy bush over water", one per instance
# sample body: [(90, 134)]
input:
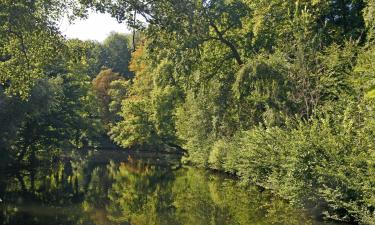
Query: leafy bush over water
[(327, 162)]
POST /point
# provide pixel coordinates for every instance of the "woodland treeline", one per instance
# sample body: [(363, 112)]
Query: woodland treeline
[(280, 93)]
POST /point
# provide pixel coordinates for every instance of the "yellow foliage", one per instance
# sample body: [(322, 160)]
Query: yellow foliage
[(136, 63)]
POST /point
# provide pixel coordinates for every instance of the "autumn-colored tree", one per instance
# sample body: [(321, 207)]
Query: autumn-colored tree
[(101, 85)]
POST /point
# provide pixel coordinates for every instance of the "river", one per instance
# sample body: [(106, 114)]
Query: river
[(110, 188)]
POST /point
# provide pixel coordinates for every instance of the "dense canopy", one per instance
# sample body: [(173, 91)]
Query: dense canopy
[(279, 93)]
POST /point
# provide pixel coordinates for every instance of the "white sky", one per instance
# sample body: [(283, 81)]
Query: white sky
[(96, 27)]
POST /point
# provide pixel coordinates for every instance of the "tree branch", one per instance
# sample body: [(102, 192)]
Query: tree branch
[(232, 47)]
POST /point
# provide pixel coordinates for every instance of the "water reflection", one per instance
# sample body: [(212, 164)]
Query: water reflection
[(134, 191)]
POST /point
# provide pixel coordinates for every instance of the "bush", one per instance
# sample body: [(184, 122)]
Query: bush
[(217, 155), (327, 162)]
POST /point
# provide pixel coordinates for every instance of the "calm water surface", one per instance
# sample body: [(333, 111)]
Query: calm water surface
[(112, 188)]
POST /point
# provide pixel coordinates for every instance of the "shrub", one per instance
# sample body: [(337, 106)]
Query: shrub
[(327, 162)]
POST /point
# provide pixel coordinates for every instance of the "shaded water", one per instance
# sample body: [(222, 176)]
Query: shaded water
[(112, 188)]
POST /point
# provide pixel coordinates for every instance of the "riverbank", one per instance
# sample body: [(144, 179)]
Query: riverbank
[(326, 164)]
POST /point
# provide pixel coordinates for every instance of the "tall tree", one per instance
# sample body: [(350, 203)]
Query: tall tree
[(118, 53), (29, 43)]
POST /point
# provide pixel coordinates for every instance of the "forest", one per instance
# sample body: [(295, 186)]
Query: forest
[(279, 93)]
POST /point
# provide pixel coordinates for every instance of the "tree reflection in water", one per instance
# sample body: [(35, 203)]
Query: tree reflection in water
[(135, 191)]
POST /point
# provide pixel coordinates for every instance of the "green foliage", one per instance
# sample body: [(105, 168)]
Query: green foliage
[(261, 90), (194, 127), (218, 154), (58, 112), (368, 16), (118, 91), (117, 50), (89, 55), (163, 112), (325, 163), (136, 127), (279, 93), (364, 80), (29, 44), (113, 53), (248, 87)]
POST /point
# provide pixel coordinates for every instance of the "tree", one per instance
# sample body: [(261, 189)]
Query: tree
[(136, 127), (118, 55), (101, 85), (192, 22), (30, 43), (91, 56)]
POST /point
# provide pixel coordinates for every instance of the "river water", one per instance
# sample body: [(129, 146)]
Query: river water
[(114, 188)]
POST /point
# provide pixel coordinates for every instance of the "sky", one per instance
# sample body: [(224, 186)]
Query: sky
[(96, 27)]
